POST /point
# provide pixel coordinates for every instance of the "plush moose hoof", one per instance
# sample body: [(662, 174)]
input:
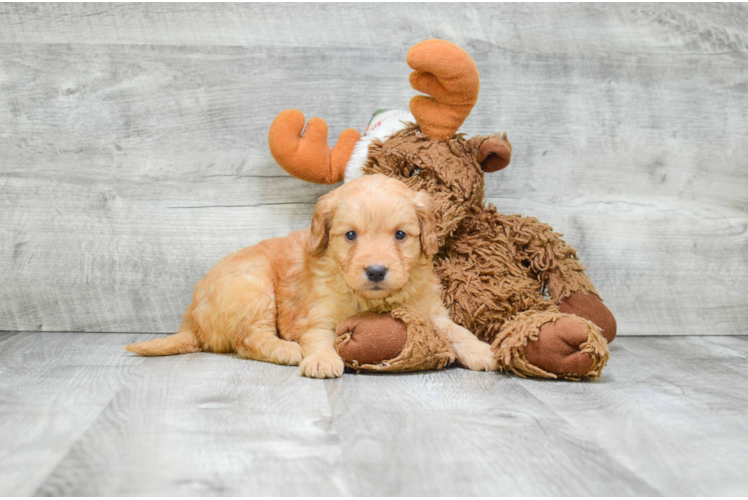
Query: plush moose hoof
[(558, 349), (397, 340), (371, 338), (551, 344), (590, 307)]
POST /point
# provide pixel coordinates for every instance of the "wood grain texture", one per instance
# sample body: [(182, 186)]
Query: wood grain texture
[(627, 28), (462, 433), (52, 388), (133, 150), (678, 407), (209, 425), (79, 416)]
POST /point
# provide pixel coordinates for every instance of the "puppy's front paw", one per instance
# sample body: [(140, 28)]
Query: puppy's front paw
[(322, 365), (476, 356)]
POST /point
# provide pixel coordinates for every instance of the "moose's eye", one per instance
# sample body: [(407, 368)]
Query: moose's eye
[(415, 172), (350, 235), (400, 235)]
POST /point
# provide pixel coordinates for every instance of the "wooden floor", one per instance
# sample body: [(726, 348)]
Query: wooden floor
[(80, 416)]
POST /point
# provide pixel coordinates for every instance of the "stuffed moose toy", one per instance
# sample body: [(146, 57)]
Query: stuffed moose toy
[(509, 279)]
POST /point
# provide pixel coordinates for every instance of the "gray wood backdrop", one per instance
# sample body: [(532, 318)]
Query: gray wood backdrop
[(133, 144)]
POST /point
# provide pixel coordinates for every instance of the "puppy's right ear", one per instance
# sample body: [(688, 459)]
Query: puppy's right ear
[(319, 234)]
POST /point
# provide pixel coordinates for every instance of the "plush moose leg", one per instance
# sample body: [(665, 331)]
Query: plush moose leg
[(555, 264), (551, 344), (590, 307), (400, 340)]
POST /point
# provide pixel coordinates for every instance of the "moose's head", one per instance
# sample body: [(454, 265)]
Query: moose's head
[(421, 148)]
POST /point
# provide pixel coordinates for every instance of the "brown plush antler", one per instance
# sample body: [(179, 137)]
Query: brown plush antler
[(308, 157), (448, 74)]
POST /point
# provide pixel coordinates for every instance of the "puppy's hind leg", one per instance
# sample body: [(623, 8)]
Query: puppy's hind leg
[(260, 340), (263, 344)]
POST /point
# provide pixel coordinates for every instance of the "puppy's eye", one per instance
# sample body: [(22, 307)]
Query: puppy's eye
[(415, 172), (400, 235), (350, 235)]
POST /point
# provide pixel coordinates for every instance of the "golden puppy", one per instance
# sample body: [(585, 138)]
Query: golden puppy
[(281, 300)]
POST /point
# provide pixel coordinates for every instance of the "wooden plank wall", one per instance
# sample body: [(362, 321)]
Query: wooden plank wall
[(133, 150)]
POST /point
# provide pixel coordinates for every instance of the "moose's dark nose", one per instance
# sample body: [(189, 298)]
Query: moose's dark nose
[(376, 273)]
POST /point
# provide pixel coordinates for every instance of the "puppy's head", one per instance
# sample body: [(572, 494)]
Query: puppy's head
[(377, 230)]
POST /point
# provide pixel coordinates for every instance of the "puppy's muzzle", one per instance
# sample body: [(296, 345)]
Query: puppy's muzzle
[(376, 274)]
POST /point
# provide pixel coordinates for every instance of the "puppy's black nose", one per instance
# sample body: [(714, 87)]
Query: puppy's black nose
[(376, 273)]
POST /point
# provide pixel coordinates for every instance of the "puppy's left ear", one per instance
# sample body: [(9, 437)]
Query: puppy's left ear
[(319, 234), (426, 220)]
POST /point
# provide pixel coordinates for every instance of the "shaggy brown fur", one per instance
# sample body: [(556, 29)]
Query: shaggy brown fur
[(523, 331), (495, 269)]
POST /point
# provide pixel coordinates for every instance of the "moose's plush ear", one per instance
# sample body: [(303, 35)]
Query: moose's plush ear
[(427, 222), (319, 234), (493, 152)]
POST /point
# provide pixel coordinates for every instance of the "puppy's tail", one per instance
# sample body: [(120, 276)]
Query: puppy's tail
[(182, 342)]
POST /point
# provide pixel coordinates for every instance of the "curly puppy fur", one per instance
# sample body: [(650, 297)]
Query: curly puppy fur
[(281, 300)]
